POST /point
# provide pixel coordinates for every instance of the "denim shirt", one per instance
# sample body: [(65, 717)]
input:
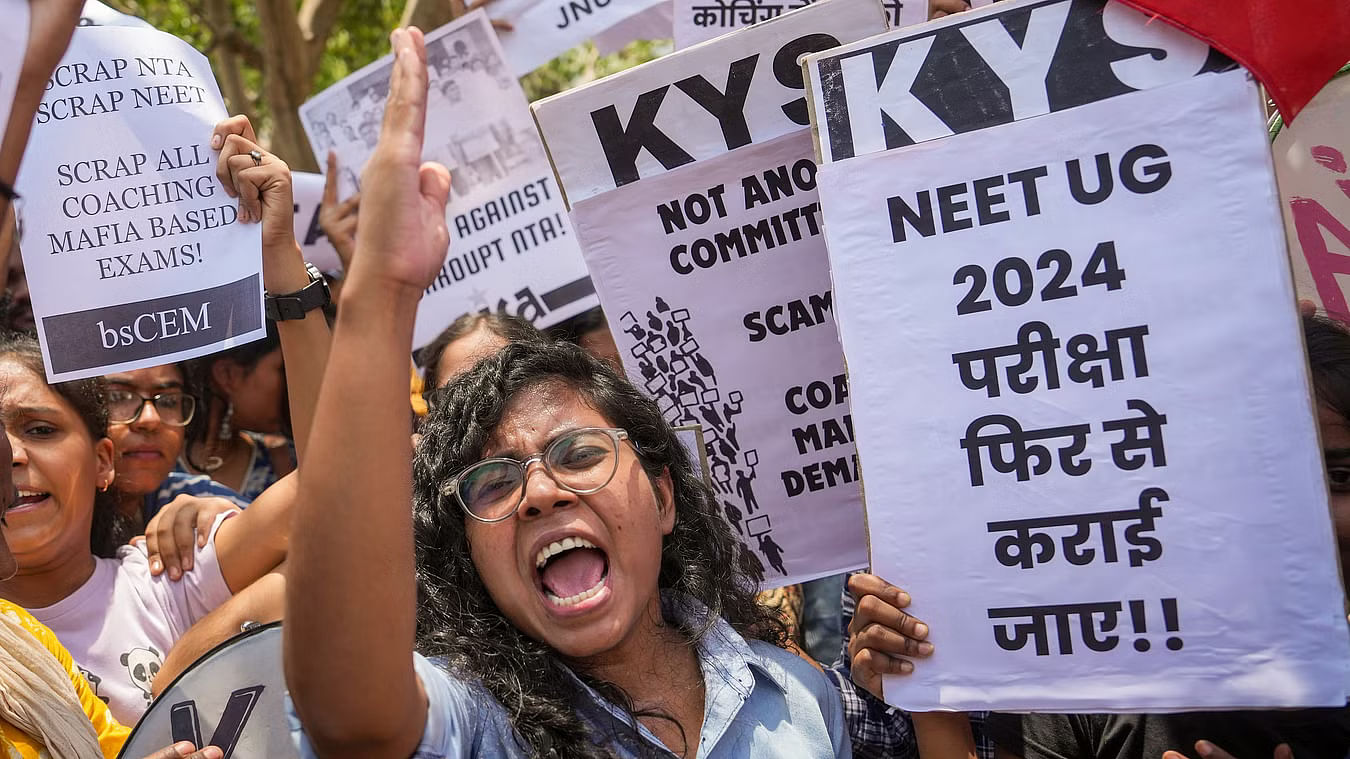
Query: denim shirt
[(760, 701)]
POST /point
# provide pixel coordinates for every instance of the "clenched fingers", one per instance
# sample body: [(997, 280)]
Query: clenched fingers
[(185, 750)]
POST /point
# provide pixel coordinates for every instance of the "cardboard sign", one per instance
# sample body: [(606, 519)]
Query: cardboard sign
[(693, 104), (968, 71), (512, 247), (694, 197), (1312, 161), (726, 318), (1095, 478), (544, 29), (233, 698), (13, 44), (700, 20), (132, 250)]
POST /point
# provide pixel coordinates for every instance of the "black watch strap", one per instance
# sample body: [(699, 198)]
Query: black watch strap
[(280, 308)]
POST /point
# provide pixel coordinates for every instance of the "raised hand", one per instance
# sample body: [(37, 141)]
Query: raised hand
[(401, 238), (881, 635), (338, 219)]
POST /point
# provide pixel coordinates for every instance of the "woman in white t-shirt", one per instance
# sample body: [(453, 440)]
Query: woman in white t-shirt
[(117, 620)]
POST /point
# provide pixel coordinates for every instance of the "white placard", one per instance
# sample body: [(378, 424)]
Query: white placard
[(700, 20), (233, 698), (882, 93), (694, 104), (13, 44), (1169, 499), (512, 247), (1312, 162), (131, 247), (541, 30), (307, 190), (655, 23), (715, 283)]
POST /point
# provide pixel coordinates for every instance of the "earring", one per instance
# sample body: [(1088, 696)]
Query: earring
[(225, 432), (213, 463)]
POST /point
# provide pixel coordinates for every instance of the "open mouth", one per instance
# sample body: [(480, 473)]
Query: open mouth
[(571, 571), (26, 499)]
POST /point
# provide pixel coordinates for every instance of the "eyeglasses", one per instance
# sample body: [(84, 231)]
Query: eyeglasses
[(582, 461), (173, 408)]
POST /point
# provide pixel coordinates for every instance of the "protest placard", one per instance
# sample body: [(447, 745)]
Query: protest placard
[(133, 253), (968, 71), (232, 697), (1082, 410), (512, 247), (699, 222), (307, 192), (728, 322), (541, 30), (692, 105), (1311, 162), (13, 43), (700, 20)]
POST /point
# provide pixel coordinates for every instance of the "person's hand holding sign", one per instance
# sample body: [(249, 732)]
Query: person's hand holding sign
[(185, 750), (337, 218), (882, 635)]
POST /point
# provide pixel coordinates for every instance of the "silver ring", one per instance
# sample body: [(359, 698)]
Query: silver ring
[(256, 155)]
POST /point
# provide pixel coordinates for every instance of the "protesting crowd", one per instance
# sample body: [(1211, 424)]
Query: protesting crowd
[(549, 530)]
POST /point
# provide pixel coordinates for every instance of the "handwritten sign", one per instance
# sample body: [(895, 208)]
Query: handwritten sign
[(512, 247), (132, 249), (700, 20), (1096, 477), (885, 92), (1312, 161)]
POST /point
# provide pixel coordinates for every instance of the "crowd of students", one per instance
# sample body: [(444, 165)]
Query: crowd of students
[(519, 558)]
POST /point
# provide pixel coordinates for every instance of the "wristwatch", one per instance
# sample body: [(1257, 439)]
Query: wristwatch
[(280, 308)]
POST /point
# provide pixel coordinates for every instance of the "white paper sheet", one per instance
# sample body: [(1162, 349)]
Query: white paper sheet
[(1312, 162), (544, 29), (511, 247), (742, 342), (133, 253), (1222, 588), (307, 190)]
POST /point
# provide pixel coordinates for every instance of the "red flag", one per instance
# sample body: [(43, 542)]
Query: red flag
[(1293, 48)]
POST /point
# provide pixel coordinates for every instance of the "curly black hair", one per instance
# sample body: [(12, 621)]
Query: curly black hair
[(109, 529), (457, 619), (507, 326)]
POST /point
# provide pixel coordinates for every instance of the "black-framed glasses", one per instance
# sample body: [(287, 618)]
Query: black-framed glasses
[(582, 461), (173, 407)]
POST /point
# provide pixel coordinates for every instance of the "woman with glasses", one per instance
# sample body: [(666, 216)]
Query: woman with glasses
[(148, 411), (577, 592), (98, 596)]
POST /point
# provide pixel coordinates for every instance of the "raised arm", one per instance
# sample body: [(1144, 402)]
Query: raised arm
[(351, 604), (262, 183)]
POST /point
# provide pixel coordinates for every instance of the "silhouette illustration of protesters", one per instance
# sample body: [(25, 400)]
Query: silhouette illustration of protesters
[(745, 491), (733, 516), (773, 552)]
